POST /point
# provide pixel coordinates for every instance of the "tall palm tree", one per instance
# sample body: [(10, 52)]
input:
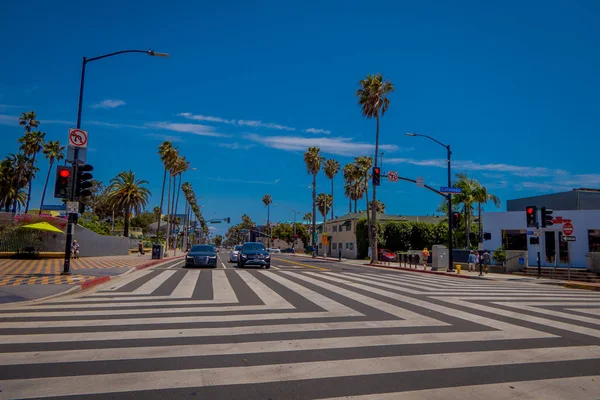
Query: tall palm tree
[(180, 166), (28, 120), (267, 200), (308, 218), (324, 203), (374, 102), (31, 144), (313, 160), (331, 167), (128, 193), (164, 151), (482, 196), (364, 165), (20, 166), (467, 199), (53, 151)]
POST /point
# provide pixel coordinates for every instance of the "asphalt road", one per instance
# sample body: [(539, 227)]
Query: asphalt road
[(305, 329)]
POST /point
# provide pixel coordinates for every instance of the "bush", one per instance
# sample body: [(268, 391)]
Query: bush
[(362, 237)]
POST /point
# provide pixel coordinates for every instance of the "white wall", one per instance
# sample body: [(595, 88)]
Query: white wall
[(582, 220)]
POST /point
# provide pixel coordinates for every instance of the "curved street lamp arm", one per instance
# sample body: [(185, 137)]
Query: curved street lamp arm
[(430, 138), (149, 52)]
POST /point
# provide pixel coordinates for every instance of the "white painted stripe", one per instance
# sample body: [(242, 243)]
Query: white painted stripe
[(268, 296), (154, 283), (453, 310), (522, 317), (551, 313), (153, 352), (222, 290), (380, 305), (157, 380), (591, 311), (186, 287), (206, 332), (123, 282), (579, 388)]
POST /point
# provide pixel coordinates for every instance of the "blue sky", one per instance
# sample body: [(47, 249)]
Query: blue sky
[(248, 86)]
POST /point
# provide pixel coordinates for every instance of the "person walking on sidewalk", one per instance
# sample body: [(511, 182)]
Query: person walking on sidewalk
[(140, 248), (340, 252), (472, 261), (486, 260), (425, 256), (75, 250)]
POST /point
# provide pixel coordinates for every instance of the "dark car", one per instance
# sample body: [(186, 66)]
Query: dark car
[(386, 255), (254, 253), (201, 255)]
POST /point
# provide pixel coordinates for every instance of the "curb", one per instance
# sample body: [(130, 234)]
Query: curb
[(102, 279), (429, 272), (573, 285)]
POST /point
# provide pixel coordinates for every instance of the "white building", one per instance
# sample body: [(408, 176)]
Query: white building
[(577, 211)]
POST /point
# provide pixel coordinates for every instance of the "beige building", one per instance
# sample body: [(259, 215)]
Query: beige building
[(341, 232)]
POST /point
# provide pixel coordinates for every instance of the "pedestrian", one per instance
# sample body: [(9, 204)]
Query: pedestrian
[(140, 248), (486, 260), (75, 250), (425, 255), (472, 261), (314, 253), (340, 252)]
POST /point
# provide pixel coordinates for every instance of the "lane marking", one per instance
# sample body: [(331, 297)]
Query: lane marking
[(301, 264), (273, 266), (224, 267)]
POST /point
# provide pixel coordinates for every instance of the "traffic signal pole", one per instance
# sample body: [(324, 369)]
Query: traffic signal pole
[(450, 256)]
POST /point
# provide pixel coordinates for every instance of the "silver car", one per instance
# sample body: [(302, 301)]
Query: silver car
[(235, 253)]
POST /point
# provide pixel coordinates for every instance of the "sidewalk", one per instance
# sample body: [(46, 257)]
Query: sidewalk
[(22, 280), (463, 274)]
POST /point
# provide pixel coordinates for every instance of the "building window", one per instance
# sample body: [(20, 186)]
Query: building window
[(320, 246), (334, 246), (594, 240), (514, 239), (341, 227), (335, 228), (349, 245), (348, 226), (340, 246)]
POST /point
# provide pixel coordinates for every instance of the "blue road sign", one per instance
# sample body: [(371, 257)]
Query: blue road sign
[(521, 261), (530, 232), (454, 190), (52, 207)]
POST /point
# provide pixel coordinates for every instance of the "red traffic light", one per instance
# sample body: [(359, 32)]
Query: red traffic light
[(64, 173), (530, 210)]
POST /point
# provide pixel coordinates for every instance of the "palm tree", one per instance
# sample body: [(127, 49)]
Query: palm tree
[(331, 167), (364, 165), (31, 144), (467, 198), (374, 102), (166, 152), (380, 207), (483, 196), (267, 200), (20, 167), (53, 151), (324, 202), (180, 166), (127, 193), (28, 121), (313, 160)]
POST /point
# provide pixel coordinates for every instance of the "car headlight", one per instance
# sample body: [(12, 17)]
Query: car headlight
[(213, 257), (244, 256), (189, 257)]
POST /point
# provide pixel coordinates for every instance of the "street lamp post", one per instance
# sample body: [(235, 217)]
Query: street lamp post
[(449, 196), (70, 228)]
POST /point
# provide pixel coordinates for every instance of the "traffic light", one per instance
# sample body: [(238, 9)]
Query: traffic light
[(534, 240), (62, 187), (228, 220), (547, 217), (531, 215), (376, 176), (82, 181), (487, 236), (455, 219)]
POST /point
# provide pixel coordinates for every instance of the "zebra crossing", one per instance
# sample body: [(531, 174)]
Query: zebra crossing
[(304, 334)]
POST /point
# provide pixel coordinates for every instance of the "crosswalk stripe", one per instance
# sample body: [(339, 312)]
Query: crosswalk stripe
[(138, 381), (123, 282), (269, 297), (223, 292), (186, 286), (154, 283)]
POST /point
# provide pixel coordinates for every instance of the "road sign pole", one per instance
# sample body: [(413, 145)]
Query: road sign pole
[(450, 256)]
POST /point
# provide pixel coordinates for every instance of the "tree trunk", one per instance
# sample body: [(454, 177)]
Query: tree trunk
[(314, 208), (480, 238), (355, 201), (162, 196), (268, 225), (126, 224), (467, 227), (176, 204), (332, 217), (373, 205), (30, 181), (169, 212), (324, 222), (45, 187), (350, 204)]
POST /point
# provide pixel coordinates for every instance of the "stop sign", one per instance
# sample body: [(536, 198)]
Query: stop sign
[(568, 228)]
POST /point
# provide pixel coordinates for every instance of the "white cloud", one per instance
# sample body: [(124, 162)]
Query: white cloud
[(8, 120), (212, 228), (3, 106), (340, 146), (114, 125), (236, 145), (240, 122), (109, 104), (57, 121), (163, 137), (196, 129), (315, 130), (237, 180)]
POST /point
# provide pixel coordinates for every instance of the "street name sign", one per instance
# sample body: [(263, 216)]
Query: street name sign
[(420, 182), (450, 190), (72, 207), (569, 238)]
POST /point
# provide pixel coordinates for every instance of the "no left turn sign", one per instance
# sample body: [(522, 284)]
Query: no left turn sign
[(393, 176), (78, 138)]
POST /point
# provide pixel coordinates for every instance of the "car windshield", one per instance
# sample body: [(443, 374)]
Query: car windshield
[(253, 247), (237, 248), (202, 248)]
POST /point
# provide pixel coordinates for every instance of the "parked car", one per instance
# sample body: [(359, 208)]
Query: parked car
[(235, 252), (273, 250), (254, 253), (201, 255), (386, 255)]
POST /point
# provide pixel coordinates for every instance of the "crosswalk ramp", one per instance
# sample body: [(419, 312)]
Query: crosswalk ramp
[(251, 334)]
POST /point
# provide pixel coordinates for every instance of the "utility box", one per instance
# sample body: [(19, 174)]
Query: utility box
[(439, 258), (157, 252)]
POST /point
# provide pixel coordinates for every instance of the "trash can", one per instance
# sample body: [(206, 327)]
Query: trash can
[(157, 252)]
